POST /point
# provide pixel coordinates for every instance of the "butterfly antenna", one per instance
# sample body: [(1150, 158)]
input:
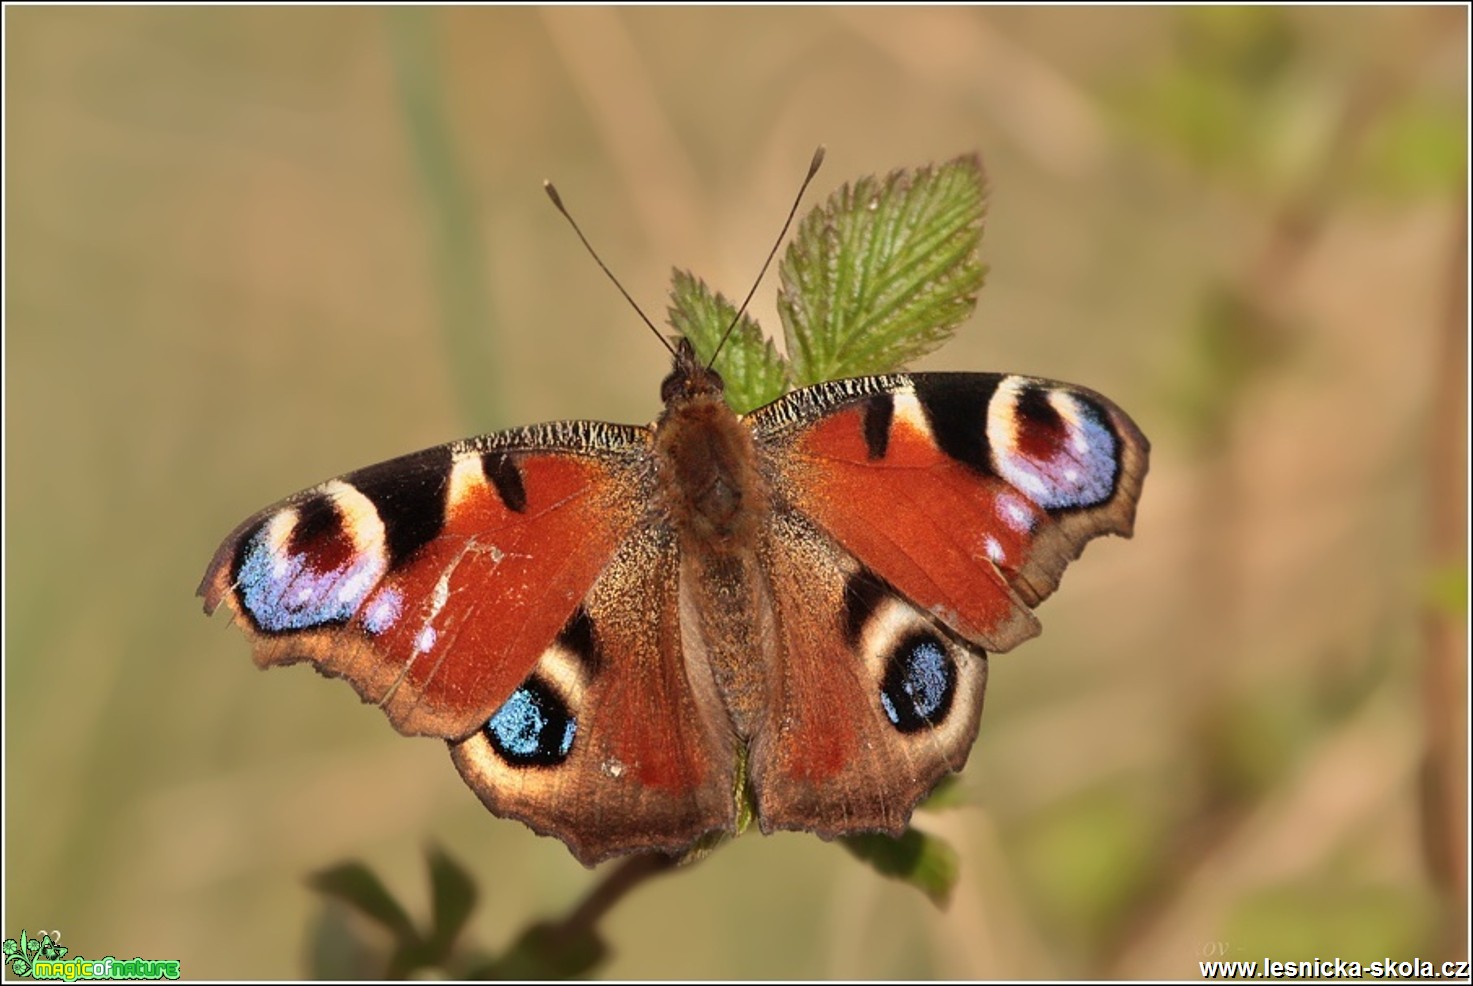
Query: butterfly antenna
[(813, 167), (551, 191)]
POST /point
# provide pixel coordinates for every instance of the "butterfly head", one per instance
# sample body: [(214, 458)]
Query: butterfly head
[(689, 378)]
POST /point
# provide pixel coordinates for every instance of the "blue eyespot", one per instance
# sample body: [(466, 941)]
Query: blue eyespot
[(920, 682), (1067, 463), (282, 590), (534, 728)]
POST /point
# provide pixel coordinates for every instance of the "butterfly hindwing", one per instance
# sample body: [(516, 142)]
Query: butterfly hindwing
[(434, 582), (615, 743), (871, 702)]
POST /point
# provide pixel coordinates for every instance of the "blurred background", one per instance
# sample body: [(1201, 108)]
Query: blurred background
[(251, 248)]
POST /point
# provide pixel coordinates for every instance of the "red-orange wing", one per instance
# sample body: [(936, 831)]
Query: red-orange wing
[(968, 492), (916, 521), (435, 581)]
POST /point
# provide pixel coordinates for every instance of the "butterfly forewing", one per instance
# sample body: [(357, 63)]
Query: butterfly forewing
[(968, 492), (433, 582)]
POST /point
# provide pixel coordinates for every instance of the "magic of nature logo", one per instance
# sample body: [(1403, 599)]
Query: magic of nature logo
[(47, 958)]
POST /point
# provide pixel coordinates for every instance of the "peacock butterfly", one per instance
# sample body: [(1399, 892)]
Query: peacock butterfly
[(626, 634)]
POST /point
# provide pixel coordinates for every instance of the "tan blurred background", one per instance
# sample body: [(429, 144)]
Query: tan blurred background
[(252, 248)]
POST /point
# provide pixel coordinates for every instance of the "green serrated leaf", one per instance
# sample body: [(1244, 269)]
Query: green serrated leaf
[(453, 897), (754, 371), (356, 885), (924, 861), (884, 271)]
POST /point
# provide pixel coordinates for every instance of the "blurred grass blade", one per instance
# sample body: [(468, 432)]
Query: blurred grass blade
[(356, 885), (752, 368), (884, 271), (459, 254), (453, 897), (924, 861)]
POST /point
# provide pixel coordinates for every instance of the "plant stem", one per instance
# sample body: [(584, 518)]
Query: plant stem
[(616, 885)]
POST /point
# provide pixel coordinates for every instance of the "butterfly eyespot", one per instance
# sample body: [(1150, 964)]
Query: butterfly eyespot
[(534, 728), (919, 683), (304, 568), (1055, 445)]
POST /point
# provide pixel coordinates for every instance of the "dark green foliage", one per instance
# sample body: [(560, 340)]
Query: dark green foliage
[(339, 953)]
